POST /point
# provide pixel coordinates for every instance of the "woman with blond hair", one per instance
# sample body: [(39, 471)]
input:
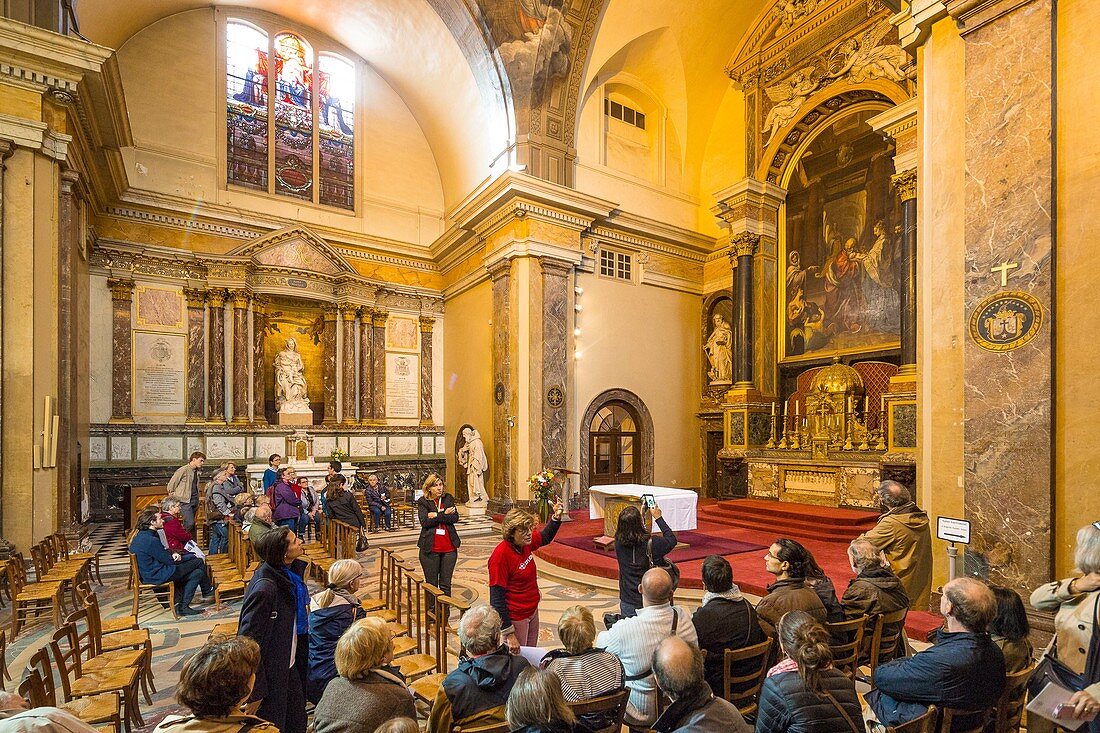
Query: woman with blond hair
[(213, 685), (513, 579), (536, 704), (331, 613), (368, 691), (585, 672), (439, 540)]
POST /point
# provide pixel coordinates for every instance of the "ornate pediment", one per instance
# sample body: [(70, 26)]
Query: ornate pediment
[(294, 248)]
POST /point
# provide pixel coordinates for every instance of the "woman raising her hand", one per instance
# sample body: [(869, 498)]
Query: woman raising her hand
[(513, 580)]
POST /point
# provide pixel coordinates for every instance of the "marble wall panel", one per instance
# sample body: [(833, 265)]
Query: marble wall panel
[(440, 444), (121, 387), (426, 372), (97, 448), (502, 382), (259, 368), (1007, 434), (265, 446), (556, 327), (121, 448), (347, 367), (328, 367), (363, 446), (225, 447), (380, 448), (903, 432), (242, 358), (215, 408), (403, 445), (427, 444), (159, 449), (194, 443), (196, 358), (366, 367), (737, 428), (323, 446), (760, 428), (378, 367)]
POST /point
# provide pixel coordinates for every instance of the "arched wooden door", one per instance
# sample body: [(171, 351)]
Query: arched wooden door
[(614, 442)]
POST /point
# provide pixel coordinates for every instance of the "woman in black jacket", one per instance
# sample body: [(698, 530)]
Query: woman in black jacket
[(439, 540), (342, 505), (637, 551), (274, 615), (804, 693)]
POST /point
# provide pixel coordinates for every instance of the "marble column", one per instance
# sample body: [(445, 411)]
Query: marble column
[(1008, 241), (366, 366), (196, 353), (378, 366), (6, 149), (906, 186), (347, 364), (742, 248), (242, 356), (215, 394), (328, 366), (557, 323), (503, 396), (122, 298), (426, 325), (68, 489), (259, 367)]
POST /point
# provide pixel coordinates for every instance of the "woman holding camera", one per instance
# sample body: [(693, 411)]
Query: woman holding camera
[(637, 551)]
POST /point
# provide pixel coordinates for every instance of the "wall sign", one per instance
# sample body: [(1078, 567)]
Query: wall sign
[(1005, 321)]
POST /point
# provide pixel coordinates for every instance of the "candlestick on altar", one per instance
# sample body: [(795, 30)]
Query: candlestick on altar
[(771, 438), (865, 398), (773, 409), (796, 409)]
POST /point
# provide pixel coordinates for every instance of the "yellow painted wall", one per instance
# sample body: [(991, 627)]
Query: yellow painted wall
[(467, 373), (1077, 300), (175, 99), (941, 325), (646, 340), (724, 161)]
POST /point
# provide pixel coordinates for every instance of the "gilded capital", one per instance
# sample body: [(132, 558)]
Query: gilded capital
[(240, 298), (905, 184), (426, 324), (195, 297), (366, 315), (121, 289), (744, 244), (500, 269), (347, 312), (330, 313), (379, 318), (216, 298)]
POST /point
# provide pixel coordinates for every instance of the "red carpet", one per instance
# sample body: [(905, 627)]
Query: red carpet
[(699, 545), (748, 567)]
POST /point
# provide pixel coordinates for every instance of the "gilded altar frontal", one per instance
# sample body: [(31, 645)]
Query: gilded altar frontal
[(766, 251)]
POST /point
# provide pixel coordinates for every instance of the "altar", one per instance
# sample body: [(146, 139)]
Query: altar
[(679, 507)]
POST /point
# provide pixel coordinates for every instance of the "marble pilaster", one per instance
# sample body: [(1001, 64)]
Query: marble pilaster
[(905, 184), (503, 397), (259, 369), (378, 366), (347, 364), (1009, 195), (366, 366), (242, 356), (196, 354), (122, 300), (6, 149), (328, 366), (742, 248), (557, 323), (68, 490), (426, 324), (215, 394)]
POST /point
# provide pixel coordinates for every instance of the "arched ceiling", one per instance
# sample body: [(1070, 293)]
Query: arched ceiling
[(455, 92), (635, 37)]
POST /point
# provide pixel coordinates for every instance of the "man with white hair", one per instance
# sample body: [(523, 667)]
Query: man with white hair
[(874, 590), (903, 536), (476, 693)]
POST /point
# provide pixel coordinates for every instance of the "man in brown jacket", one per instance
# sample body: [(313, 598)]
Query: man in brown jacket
[(903, 536), (184, 485)]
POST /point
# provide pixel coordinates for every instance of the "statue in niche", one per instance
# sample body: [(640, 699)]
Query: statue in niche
[(719, 350), (471, 456), (291, 395)]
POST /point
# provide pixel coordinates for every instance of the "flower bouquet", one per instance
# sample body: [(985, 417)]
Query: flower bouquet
[(339, 454), (541, 486)]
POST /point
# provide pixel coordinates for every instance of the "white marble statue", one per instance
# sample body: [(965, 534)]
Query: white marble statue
[(291, 395), (471, 456), (788, 95), (719, 350), (863, 59)]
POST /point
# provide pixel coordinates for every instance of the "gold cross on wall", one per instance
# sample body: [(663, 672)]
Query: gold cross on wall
[(1004, 269)]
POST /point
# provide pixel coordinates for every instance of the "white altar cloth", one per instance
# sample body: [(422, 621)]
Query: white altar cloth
[(679, 507)]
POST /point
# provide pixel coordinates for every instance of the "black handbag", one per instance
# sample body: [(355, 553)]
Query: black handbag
[(664, 564), (362, 544)]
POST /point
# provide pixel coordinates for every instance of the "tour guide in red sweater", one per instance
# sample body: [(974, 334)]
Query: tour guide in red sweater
[(513, 580)]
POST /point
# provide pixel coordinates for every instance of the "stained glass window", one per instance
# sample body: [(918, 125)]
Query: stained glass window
[(310, 116), (336, 99), (246, 105)]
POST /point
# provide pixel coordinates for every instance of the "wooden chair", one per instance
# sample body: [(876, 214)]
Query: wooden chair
[(60, 544), (118, 639), (491, 728), (887, 639), (4, 674), (94, 657), (846, 654), (30, 598), (165, 593), (38, 687), (227, 629), (412, 665), (1010, 707), (434, 637), (404, 513), (612, 703), (954, 720), (744, 690), (118, 624), (77, 683), (5, 591), (925, 723)]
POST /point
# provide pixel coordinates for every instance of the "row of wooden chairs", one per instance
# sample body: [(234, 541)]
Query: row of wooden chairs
[(614, 702), (57, 573), (1004, 717)]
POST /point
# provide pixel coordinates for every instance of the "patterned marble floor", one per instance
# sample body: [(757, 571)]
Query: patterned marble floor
[(174, 640)]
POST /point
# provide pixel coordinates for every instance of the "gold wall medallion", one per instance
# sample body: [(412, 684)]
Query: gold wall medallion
[(1005, 321), (555, 396)]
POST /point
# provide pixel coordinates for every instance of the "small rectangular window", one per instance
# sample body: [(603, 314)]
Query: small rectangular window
[(616, 265), (639, 121), (616, 110), (607, 263), (628, 115)]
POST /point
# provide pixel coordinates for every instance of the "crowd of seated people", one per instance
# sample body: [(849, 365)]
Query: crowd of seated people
[(667, 661)]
